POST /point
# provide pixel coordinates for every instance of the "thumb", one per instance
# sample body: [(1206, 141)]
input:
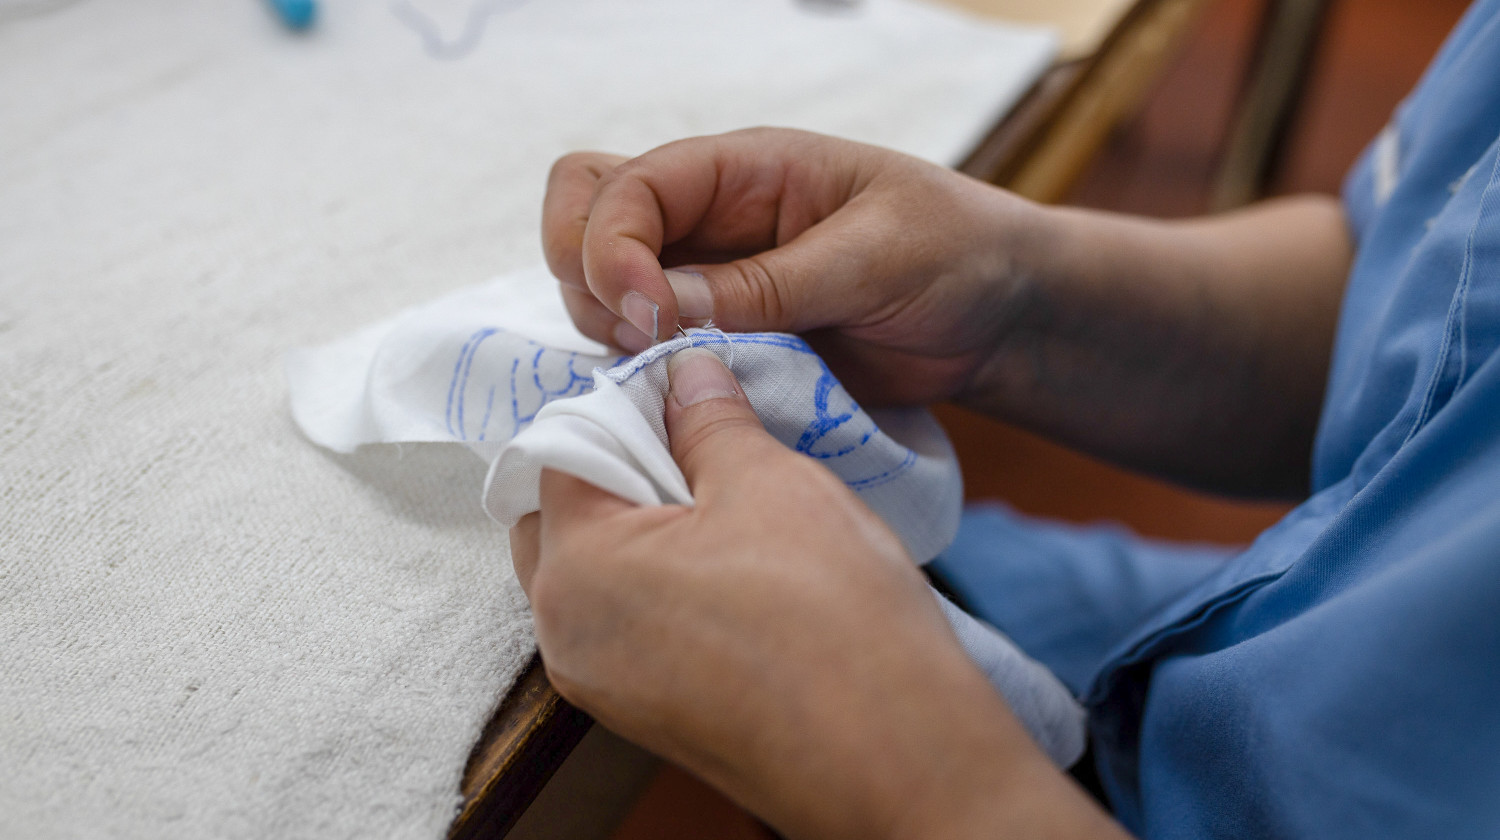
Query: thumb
[(712, 428), (802, 285)]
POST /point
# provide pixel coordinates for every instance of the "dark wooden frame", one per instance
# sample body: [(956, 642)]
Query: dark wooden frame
[(522, 746)]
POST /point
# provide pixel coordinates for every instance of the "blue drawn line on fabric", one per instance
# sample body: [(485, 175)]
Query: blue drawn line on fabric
[(479, 338), (461, 380), (468, 37), (575, 386), (515, 402), (582, 383), (489, 405), (889, 475), (540, 368), (824, 423), (458, 367)]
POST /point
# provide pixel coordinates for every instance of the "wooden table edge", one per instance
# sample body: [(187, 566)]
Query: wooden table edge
[(1037, 150), (531, 733)]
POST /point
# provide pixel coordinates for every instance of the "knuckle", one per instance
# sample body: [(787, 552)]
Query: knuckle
[(807, 477), (761, 292), (562, 244), (617, 174), (761, 133), (630, 181), (603, 182), (570, 163), (714, 420), (813, 485)]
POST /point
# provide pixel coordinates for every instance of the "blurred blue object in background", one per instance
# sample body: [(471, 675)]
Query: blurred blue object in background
[(297, 14)]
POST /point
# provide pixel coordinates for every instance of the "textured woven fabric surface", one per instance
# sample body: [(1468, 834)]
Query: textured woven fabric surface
[(209, 627)]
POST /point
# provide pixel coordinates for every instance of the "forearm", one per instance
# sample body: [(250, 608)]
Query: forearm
[(1196, 350), (940, 757), (1000, 785)]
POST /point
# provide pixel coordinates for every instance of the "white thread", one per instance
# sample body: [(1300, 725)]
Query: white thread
[(727, 341), (710, 328)]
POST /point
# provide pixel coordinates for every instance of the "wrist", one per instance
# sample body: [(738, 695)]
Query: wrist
[(922, 751), (1019, 264), (987, 778), (974, 771)]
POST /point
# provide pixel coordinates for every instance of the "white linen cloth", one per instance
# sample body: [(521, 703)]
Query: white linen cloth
[(475, 368), (898, 461), (481, 365), (209, 628)]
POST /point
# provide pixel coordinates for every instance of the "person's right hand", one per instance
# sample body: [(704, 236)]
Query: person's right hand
[(775, 638), (896, 270)]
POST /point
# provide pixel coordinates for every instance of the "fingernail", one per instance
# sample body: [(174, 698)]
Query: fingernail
[(697, 375), (630, 338), (640, 311), (694, 300)]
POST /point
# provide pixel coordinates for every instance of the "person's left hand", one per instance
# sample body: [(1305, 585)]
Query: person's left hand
[(775, 638)]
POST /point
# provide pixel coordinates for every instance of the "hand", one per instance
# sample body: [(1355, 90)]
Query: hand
[(775, 639), (893, 267), (1195, 350)]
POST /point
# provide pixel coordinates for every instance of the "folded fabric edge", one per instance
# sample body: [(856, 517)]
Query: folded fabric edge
[(1050, 713), (599, 438)]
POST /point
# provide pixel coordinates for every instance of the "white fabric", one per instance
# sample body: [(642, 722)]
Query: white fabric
[(209, 628), (473, 368), (480, 365), (913, 481), (614, 438), (424, 374), (1044, 705)]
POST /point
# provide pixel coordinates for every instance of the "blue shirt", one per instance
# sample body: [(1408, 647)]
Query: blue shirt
[(1341, 676)]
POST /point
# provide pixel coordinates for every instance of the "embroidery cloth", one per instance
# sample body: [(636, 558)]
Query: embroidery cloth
[(474, 368)]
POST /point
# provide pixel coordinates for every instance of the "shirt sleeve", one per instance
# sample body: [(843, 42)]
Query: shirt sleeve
[(1066, 594)]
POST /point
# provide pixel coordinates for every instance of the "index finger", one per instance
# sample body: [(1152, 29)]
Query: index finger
[(565, 211), (566, 500), (637, 208)]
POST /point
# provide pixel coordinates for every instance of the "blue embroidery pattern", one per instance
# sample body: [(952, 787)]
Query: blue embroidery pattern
[(528, 384), (537, 375)]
